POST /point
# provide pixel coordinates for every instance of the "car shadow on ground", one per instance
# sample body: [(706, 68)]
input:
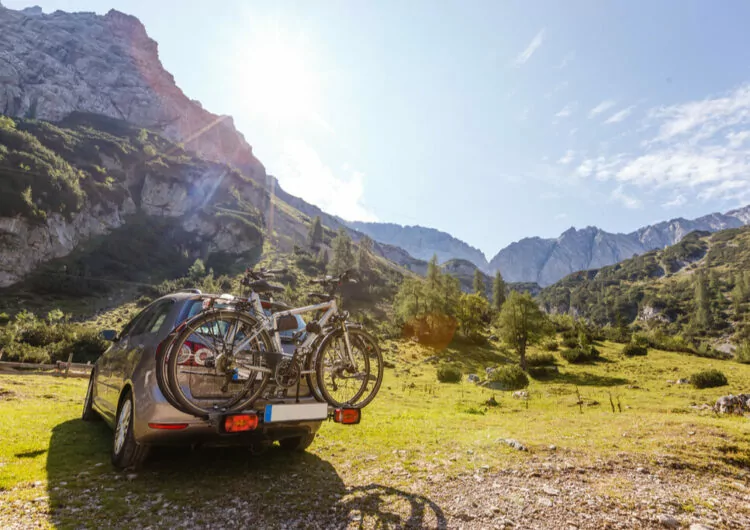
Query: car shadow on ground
[(201, 487)]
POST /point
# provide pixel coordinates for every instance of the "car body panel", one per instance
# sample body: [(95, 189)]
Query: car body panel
[(130, 364)]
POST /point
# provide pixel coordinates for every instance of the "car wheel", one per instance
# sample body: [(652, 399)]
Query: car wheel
[(298, 443), (126, 452), (89, 414)]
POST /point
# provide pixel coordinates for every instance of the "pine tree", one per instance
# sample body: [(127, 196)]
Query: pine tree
[(315, 235), (702, 315), (364, 255), (323, 258), (498, 292), (342, 259), (479, 287), (521, 323)]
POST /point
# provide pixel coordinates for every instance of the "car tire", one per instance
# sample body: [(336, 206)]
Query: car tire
[(89, 414), (126, 452), (298, 443)]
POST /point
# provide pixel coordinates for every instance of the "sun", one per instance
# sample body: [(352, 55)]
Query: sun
[(277, 76)]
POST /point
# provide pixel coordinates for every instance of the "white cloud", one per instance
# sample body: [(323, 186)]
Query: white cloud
[(703, 119), (620, 115), (601, 107), (533, 46), (737, 139), (561, 216), (565, 60), (566, 111), (678, 201), (567, 158), (619, 195), (303, 173)]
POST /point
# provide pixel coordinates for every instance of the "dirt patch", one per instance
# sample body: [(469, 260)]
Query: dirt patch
[(7, 395)]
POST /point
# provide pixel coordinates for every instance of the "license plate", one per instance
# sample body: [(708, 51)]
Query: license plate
[(296, 412)]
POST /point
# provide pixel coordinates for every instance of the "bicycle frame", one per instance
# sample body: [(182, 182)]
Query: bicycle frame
[(270, 324)]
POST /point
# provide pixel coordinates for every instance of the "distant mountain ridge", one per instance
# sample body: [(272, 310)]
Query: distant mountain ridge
[(422, 242), (545, 261)]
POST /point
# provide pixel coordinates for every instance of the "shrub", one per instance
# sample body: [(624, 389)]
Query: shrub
[(742, 353), (708, 379), (510, 377), (632, 349), (580, 355), (25, 353), (640, 339), (540, 359), (550, 345), (570, 342), (449, 374)]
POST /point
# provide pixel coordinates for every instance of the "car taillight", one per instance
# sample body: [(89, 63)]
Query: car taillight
[(240, 422), (192, 354), (347, 416)]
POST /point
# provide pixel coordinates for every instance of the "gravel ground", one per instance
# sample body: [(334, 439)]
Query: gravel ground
[(544, 493)]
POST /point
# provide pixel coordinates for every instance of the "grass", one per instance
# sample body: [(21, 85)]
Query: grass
[(417, 428)]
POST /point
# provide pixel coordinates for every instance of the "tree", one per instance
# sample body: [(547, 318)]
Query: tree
[(471, 311), (479, 287), (315, 235), (364, 255), (498, 292), (197, 270), (342, 259), (323, 258), (521, 323), (702, 314)]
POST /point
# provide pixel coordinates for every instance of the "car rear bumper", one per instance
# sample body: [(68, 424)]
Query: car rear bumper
[(154, 415)]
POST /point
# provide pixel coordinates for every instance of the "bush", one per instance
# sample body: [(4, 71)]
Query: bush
[(708, 379), (550, 345), (742, 353), (449, 374), (570, 342), (540, 359), (25, 353), (632, 349), (580, 355), (510, 377)]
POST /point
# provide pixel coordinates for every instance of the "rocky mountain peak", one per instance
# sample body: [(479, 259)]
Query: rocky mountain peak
[(52, 65)]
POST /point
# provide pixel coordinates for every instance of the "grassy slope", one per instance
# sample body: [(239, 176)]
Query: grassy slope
[(417, 429)]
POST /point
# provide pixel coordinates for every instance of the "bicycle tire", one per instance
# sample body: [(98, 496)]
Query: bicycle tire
[(161, 359), (364, 341), (310, 376), (252, 388)]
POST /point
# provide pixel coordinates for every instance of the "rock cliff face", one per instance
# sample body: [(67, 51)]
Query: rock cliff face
[(53, 64)]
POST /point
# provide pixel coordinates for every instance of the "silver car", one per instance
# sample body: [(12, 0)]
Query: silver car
[(123, 390)]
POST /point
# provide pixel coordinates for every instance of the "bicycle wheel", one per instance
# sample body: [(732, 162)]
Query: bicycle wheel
[(342, 383), (218, 362)]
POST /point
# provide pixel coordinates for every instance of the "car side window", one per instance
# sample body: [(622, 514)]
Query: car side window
[(153, 322), (128, 329)]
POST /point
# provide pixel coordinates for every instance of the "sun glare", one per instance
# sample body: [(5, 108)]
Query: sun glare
[(277, 77)]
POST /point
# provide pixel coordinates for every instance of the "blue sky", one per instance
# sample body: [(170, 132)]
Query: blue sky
[(490, 120)]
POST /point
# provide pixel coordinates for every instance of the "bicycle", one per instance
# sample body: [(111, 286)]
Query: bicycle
[(233, 343)]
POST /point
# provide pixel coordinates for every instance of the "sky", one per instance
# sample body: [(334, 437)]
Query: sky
[(492, 121)]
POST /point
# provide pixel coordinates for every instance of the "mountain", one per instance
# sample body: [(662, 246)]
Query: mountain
[(661, 287), (64, 73), (547, 260), (54, 64), (421, 242)]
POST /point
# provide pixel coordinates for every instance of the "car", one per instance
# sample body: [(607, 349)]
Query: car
[(124, 392)]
